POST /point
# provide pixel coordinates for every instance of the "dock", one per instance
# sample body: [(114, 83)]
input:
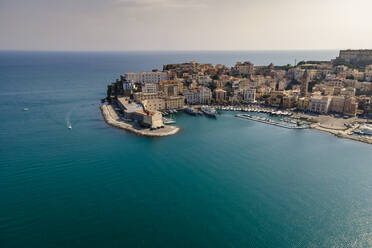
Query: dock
[(271, 122)]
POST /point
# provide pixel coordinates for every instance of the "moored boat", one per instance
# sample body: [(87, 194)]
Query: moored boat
[(209, 111)]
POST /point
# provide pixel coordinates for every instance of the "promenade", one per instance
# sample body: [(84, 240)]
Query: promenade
[(113, 119)]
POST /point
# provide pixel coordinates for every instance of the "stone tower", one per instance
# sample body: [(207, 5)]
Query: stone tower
[(305, 83)]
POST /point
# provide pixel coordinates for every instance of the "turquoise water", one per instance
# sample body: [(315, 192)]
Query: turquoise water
[(218, 183)]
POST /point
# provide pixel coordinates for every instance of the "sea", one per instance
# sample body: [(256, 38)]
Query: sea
[(224, 182)]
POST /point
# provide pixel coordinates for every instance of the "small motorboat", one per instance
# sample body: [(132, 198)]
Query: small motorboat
[(26, 109), (69, 127)]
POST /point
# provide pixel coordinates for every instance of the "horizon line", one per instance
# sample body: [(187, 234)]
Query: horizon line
[(179, 50)]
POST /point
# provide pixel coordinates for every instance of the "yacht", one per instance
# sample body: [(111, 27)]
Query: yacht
[(209, 111)]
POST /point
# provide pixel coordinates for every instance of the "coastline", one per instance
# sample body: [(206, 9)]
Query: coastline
[(342, 134), (323, 121), (111, 118)]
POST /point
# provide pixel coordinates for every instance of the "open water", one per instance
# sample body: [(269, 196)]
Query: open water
[(218, 183)]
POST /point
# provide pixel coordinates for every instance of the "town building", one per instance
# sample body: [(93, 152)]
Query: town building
[(174, 102), (289, 101), (303, 103), (157, 104), (319, 104), (140, 96), (351, 106), (337, 104), (149, 88), (171, 87), (249, 95), (220, 94), (146, 77), (244, 68)]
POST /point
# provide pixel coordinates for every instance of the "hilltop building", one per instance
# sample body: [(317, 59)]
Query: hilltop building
[(146, 77)]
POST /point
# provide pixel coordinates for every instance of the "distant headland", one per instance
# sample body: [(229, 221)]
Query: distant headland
[(332, 96)]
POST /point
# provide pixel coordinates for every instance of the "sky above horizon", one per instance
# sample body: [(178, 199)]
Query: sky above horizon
[(184, 24)]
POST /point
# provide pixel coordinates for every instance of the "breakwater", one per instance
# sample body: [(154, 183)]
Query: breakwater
[(112, 119)]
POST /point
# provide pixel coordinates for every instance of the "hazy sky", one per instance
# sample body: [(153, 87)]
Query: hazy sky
[(185, 24)]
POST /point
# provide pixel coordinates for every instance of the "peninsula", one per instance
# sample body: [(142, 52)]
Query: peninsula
[(332, 96)]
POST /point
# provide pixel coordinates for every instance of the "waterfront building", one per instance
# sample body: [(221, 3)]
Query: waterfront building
[(152, 119), (205, 95), (351, 106), (337, 104), (319, 104), (146, 77), (275, 98), (220, 94), (289, 101), (303, 103), (202, 95), (174, 102), (156, 104), (191, 96), (128, 107), (249, 95)]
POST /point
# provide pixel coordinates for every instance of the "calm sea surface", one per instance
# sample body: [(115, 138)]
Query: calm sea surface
[(218, 183)]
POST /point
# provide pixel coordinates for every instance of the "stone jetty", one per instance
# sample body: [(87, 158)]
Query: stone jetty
[(111, 118)]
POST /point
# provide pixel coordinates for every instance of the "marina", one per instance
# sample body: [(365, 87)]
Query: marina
[(255, 109), (284, 123)]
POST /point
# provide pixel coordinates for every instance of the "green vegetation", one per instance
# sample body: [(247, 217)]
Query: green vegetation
[(312, 62), (284, 67), (216, 77), (212, 86)]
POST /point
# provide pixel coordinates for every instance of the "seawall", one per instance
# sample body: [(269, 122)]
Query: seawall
[(112, 119)]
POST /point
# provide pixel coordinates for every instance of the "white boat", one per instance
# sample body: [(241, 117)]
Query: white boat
[(168, 120), (69, 126), (209, 111), (26, 109), (366, 129)]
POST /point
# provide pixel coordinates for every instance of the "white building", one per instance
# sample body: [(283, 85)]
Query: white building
[(146, 77), (204, 80), (129, 86), (201, 96), (249, 95), (192, 97), (205, 95), (319, 104)]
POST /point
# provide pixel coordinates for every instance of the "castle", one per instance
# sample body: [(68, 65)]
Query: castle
[(355, 57)]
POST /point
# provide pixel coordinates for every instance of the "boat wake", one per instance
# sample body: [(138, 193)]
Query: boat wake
[(68, 122)]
